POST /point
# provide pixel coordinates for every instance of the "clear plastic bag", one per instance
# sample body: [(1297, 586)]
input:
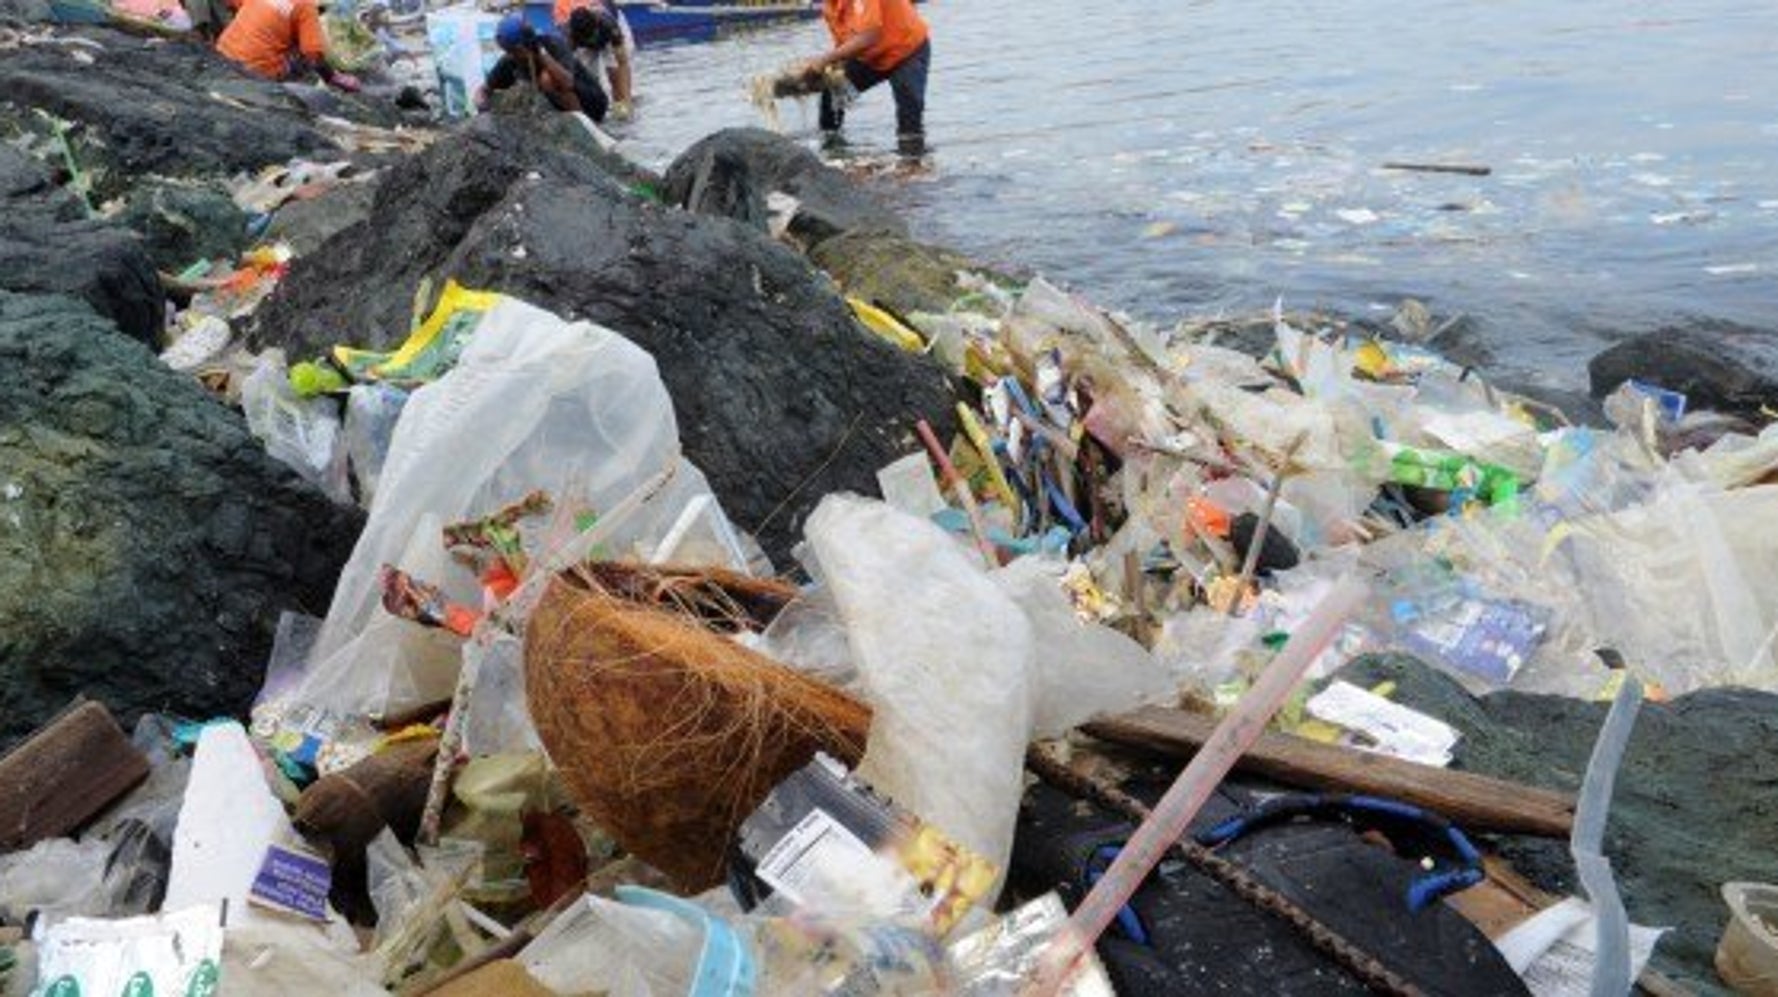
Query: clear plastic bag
[(303, 433), (617, 949), (372, 410)]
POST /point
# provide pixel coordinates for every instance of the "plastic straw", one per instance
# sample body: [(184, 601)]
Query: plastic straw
[(959, 489), (1173, 814)]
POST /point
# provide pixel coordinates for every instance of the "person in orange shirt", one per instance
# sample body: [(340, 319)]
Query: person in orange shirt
[(874, 41), (277, 38)]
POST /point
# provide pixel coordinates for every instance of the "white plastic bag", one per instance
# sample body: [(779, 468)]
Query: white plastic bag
[(534, 403), (1080, 670), (944, 657)]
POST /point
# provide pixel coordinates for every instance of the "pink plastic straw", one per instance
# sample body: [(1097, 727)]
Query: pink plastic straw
[(1168, 822)]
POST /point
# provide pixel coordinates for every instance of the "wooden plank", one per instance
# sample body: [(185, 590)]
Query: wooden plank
[(1471, 801), (64, 775)]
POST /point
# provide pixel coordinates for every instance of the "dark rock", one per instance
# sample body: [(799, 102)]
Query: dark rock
[(181, 223), (147, 543), (898, 273), (1716, 365), (365, 278), (780, 396), (731, 173), (306, 224), (137, 107), (47, 246), (1695, 804)]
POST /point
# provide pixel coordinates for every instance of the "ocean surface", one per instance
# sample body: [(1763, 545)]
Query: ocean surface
[(1179, 158)]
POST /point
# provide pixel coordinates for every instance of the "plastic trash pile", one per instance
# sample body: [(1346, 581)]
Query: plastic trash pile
[(562, 730)]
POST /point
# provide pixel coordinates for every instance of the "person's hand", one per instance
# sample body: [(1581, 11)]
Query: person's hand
[(346, 82)]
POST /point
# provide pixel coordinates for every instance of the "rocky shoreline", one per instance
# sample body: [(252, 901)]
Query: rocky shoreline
[(149, 543)]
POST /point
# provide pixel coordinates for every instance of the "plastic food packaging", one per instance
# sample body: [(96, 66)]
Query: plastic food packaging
[(1747, 958), (824, 841), (176, 953)]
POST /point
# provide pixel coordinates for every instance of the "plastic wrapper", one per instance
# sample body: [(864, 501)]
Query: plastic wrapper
[(617, 949), (824, 841), (175, 953), (414, 901), (534, 403), (944, 657), (999, 960), (303, 433)]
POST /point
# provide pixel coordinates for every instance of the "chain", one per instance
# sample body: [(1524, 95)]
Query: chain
[(1363, 966)]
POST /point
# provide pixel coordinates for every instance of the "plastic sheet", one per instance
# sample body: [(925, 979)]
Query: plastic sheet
[(535, 403), (1612, 972), (496, 719), (372, 411), (944, 658)]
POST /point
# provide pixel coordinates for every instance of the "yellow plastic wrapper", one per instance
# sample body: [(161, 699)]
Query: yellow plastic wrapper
[(431, 349)]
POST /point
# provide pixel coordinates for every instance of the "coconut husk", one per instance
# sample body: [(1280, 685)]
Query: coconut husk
[(668, 734), (724, 600)]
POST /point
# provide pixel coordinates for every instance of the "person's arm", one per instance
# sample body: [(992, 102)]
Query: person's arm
[(549, 67), (868, 32), (554, 78), (852, 48), (620, 75)]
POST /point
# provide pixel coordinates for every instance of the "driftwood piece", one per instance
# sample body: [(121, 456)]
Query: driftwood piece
[(1464, 169), (1473, 801), (64, 775)]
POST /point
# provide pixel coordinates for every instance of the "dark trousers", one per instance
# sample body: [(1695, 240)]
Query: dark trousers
[(907, 81)]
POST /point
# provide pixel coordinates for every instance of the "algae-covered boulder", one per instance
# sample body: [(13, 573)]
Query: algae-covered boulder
[(48, 246), (780, 396), (903, 275), (147, 543), (732, 174)]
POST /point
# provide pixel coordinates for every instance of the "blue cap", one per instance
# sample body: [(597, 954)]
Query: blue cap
[(512, 31)]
